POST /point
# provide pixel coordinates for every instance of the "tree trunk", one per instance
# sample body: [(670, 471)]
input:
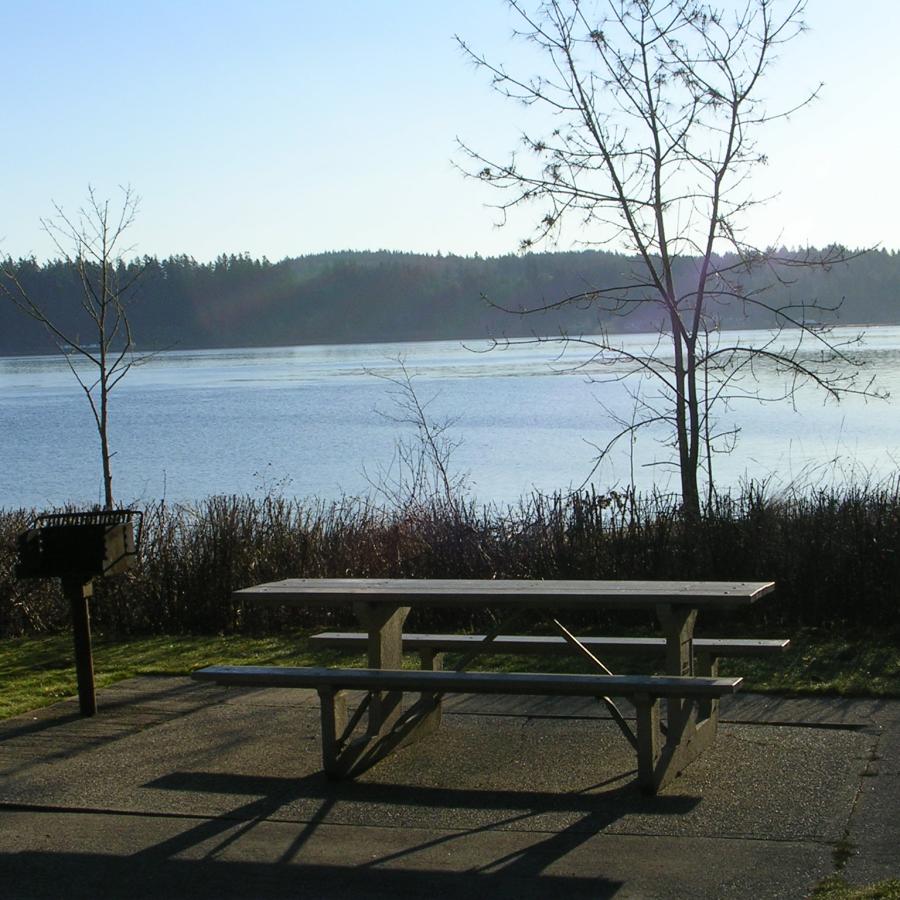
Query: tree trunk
[(108, 500)]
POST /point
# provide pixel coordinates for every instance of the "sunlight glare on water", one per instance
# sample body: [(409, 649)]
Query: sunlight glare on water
[(316, 422)]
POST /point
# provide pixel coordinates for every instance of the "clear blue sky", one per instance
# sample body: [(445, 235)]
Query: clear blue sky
[(284, 128)]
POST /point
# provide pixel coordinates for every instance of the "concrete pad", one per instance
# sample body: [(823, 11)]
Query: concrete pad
[(183, 789)]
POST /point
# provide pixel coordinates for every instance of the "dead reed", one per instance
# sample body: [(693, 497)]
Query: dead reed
[(835, 555)]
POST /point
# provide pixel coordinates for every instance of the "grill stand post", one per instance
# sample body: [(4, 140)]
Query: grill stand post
[(77, 591)]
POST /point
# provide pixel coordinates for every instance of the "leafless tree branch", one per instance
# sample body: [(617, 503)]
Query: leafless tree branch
[(91, 244), (656, 106)]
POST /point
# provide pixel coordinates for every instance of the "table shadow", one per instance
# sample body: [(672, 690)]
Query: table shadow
[(598, 809)]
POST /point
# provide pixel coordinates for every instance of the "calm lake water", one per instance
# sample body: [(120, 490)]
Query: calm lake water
[(315, 422)]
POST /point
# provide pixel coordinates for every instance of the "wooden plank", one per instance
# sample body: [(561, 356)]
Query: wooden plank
[(519, 643), (487, 592), (469, 682), (77, 590), (741, 646)]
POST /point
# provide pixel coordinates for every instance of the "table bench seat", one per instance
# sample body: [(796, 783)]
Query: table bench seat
[(660, 757), (527, 683), (427, 645)]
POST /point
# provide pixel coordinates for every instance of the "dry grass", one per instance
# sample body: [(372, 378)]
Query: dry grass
[(835, 557)]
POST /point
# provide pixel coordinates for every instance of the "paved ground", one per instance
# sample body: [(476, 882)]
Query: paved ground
[(178, 789)]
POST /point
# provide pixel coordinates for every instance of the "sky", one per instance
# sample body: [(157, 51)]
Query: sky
[(289, 127)]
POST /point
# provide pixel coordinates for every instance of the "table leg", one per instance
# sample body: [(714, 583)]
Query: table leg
[(384, 623), (677, 625), (690, 729), (389, 727), (707, 666)]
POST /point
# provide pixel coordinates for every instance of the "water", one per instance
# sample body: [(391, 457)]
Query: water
[(318, 422)]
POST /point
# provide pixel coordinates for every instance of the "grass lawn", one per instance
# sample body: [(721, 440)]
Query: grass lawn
[(39, 671)]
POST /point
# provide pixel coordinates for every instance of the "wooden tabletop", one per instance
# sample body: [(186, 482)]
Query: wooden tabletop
[(506, 592)]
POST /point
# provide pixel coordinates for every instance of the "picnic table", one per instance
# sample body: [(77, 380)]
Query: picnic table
[(381, 606)]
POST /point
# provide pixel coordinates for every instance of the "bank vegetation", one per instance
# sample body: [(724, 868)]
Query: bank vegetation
[(834, 554)]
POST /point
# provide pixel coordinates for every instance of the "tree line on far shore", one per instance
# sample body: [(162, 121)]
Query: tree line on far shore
[(361, 296)]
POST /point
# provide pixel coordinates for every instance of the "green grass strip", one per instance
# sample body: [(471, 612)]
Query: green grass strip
[(36, 672)]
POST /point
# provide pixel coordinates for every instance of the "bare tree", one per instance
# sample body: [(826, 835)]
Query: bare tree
[(420, 472), (99, 350), (654, 112)]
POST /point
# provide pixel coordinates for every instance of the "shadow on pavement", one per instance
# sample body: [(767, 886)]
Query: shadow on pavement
[(271, 795), (91, 875)]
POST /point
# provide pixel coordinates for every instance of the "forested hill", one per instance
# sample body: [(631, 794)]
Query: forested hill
[(350, 297)]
